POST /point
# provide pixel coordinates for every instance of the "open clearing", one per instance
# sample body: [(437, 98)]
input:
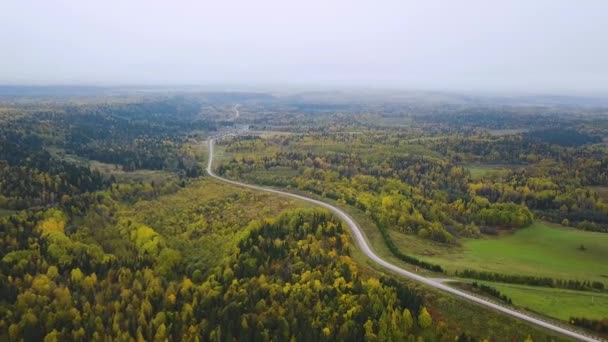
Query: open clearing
[(542, 249), (479, 170), (557, 303)]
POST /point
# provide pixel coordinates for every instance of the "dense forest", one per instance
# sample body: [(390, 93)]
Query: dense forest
[(30, 176), (58, 288)]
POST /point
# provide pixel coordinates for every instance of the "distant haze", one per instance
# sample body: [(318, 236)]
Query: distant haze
[(547, 46)]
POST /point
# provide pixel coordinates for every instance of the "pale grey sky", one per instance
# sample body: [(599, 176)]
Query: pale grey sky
[(511, 45)]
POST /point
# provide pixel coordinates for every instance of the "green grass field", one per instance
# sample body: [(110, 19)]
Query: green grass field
[(542, 250), (557, 303), (157, 176), (480, 170)]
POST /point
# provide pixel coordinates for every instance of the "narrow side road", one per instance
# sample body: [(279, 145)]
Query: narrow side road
[(365, 247)]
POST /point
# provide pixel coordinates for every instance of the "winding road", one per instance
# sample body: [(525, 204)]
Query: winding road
[(236, 112), (365, 247)]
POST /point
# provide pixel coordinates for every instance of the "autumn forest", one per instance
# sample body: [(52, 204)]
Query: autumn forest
[(111, 229)]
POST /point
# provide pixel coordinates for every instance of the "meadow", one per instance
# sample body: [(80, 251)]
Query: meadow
[(558, 303), (542, 249), (479, 170)]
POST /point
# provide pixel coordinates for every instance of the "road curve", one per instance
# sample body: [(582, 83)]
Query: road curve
[(237, 114), (363, 244)]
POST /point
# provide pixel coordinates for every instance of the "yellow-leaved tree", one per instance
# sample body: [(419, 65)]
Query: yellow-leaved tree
[(424, 319), (54, 221)]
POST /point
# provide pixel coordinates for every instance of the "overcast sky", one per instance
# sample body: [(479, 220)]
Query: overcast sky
[(527, 46)]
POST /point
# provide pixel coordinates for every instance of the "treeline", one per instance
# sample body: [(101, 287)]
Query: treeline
[(489, 290), (404, 257), (532, 281), (597, 325)]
